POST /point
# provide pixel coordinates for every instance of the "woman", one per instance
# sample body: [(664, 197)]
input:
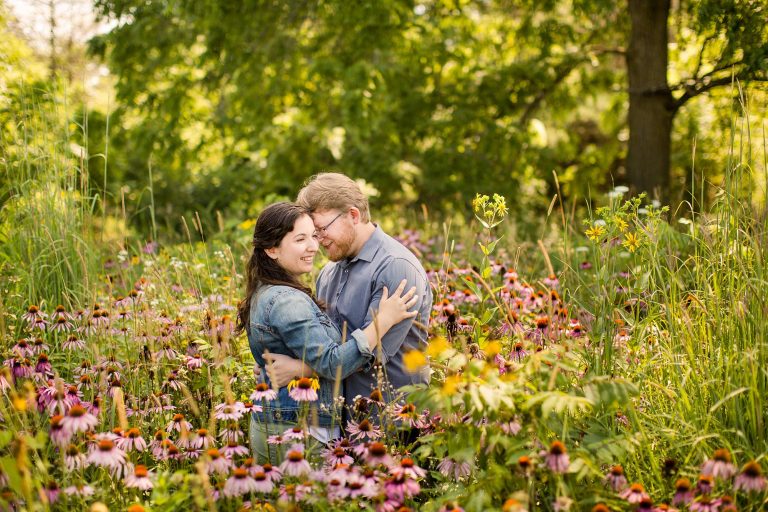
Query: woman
[(281, 315)]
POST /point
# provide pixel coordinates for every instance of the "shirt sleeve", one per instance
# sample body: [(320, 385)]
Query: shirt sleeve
[(395, 271), (300, 326)]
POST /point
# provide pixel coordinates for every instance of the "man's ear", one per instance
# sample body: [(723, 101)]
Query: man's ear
[(354, 214)]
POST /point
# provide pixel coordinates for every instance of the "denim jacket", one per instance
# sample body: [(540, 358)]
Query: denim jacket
[(285, 320)]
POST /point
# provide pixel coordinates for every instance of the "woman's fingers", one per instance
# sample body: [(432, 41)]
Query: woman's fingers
[(411, 303), (400, 288), (410, 293), (384, 294)]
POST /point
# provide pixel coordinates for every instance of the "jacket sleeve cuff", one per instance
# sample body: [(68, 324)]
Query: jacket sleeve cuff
[(362, 342)]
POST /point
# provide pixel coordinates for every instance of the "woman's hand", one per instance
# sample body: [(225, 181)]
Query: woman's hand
[(395, 308), (282, 369)]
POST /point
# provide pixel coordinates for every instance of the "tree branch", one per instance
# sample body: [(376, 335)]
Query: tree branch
[(701, 88)]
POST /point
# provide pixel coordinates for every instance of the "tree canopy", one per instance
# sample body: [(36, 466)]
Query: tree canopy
[(232, 101)]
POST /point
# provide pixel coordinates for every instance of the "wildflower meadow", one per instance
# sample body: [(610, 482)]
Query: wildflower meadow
[(591, 347)]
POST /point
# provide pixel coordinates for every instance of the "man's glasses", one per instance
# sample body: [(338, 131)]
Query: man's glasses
[(321, 232)]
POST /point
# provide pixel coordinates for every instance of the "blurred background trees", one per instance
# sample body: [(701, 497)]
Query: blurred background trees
[(219, 106)]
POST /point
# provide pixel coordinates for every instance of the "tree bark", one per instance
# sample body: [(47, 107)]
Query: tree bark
[(651, 105)]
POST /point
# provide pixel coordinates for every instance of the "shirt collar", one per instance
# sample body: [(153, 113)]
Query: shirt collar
[(371, 246)]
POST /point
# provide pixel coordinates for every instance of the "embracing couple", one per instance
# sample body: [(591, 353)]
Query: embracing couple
[(374, 292)]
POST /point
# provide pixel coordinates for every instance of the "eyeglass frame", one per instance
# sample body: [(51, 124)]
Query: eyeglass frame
[(322, 232)]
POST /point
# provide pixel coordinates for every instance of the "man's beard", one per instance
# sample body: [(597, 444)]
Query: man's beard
[(342, 247)]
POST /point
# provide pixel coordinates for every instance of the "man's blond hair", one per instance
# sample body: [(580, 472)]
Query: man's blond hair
[(333, 191)]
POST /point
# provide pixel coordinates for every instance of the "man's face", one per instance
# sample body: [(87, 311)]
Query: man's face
[(336, 233)]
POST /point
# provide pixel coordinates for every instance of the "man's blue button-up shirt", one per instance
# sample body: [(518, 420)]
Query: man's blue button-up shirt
[(352, 289)]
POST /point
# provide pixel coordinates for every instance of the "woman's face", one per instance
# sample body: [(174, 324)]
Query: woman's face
[(297, 249)]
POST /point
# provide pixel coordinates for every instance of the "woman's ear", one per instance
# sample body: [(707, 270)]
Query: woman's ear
[(271, 252)]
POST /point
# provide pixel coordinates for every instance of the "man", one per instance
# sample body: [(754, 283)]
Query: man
[(364, 260)]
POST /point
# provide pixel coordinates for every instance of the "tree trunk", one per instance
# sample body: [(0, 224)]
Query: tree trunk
[(651, 107)]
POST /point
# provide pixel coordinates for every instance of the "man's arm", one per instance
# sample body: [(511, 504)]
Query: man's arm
[(395, 271)]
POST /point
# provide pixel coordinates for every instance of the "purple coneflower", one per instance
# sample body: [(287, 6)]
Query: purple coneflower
[(376, 453), (106, 454), (750, 479), (61, 324), (363, 430), (139, 478), (231, 433), (51, 491), (59, 435), (635, 493), (304, 389), (79, 420), (263, 482), (233, 449), (22, 349), (557, 458), (263, 392), (239, 483), (33, 314), (274, 474), (719, 466), (73, 459), (195, 362), (73, 343), (202, 440), (295, 464), (179, 424), (132, 440), (705, 484), (398, 488), (518, 352), (663, 507), (408, 467), (408, 414), (217, 463), (704, 504), (683, 492), (81, 490), (336, 456), (615, 478), (229, 411), (293, 434)]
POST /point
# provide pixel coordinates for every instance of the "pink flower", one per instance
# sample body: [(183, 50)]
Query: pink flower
[(635, 493), (557, 459), (132, 440), (295, 464), (263, 392), (304, 389), (82, 490), (364, 429), (719, 466), (263, 482), (683, 492), (79, 420), (140, 479), (400, 488), (750, 479), (106, 454), (615, 479), (227, 411), (217, 463), (239, 483), (408, 468), (450, 468)]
